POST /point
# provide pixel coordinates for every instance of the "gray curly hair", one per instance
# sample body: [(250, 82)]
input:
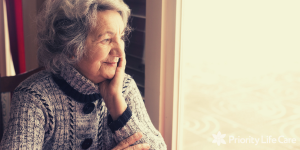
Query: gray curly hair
[(63, 26)]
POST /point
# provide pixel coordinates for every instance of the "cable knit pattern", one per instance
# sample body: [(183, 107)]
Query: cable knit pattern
[(44, 117)]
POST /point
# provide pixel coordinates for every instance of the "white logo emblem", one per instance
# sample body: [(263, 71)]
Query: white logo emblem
[(219, 138)]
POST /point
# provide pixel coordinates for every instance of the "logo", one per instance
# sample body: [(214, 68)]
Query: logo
[(219, 138)]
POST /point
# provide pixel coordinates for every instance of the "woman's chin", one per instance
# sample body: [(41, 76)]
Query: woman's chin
[(110, 76), (104, 77)]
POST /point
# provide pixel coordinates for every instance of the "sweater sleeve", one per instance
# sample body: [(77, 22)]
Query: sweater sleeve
[(136, 119), (25, 129)]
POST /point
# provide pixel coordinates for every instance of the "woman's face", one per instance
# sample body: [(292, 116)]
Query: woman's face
[(104, 46)]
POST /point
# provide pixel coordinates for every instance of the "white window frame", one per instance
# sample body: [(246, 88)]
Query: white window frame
[(162, 64)]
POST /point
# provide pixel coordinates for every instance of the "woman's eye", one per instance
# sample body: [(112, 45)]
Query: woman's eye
[(105, 41)]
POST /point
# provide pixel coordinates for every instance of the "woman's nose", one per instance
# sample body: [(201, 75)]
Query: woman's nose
[(117, 48)]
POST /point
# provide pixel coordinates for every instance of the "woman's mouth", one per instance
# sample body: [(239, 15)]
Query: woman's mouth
[(111, 63)]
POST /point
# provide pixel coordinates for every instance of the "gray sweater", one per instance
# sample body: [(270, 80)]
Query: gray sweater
[(66, 111)]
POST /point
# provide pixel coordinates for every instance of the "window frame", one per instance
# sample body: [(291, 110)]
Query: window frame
[(162, 68)]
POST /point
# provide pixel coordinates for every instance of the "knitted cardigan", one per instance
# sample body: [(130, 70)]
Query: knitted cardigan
[(66, 111)]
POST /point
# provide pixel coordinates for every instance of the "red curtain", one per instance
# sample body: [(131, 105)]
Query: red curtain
[(16, 34)]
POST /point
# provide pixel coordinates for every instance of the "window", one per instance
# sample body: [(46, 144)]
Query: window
[(240, 74), (238, 66)]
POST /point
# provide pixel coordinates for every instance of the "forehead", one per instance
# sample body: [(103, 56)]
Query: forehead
[(108, 20)]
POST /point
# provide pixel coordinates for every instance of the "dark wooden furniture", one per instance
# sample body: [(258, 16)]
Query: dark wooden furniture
[(135, 47), (8, 84)]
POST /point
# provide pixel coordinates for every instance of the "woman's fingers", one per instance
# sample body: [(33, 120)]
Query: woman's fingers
[(125, 144), (139, 147), (120, 70), (117, 81), (130, 140), (122, 62), (121, 65)]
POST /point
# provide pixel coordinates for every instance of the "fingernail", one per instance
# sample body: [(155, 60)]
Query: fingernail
[(139, 134), (147, 146)]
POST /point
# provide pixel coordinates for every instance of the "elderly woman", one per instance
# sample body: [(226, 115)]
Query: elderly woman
[(83, 100)]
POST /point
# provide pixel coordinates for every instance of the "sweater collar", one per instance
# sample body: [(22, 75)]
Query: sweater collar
[(78, 82)]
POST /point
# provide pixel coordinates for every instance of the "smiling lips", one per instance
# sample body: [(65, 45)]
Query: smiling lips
[(111, 63)]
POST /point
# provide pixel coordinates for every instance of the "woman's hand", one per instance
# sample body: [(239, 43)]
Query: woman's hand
[(125, 144), (111, 91)]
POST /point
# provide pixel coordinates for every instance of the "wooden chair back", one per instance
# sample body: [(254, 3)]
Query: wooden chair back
[(8, 85)]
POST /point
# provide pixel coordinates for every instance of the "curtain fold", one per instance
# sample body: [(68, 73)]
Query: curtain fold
[(16, 34), (6, 66)]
